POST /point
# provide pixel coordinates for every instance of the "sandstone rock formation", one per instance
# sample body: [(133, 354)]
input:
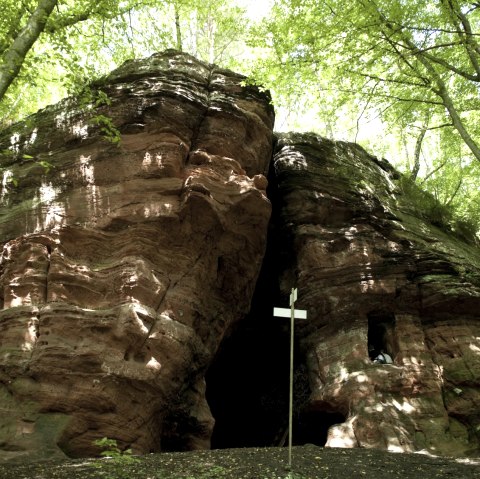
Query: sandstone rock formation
[(125, 263), (371, 271), (134, 225)]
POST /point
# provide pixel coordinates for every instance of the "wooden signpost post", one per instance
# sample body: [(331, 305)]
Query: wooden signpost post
[(293, 314)]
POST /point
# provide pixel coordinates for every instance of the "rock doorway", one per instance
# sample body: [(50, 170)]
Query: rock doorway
[(381, 333), (247, 384)]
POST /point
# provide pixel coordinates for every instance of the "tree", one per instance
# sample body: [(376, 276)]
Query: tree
[(14, 55), (401, 55), (85, 39), (210, 30), (397, 75), (400, 76), (53, 62)]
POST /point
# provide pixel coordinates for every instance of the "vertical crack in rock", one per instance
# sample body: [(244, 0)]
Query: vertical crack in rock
[(49, 252), (202, 117)]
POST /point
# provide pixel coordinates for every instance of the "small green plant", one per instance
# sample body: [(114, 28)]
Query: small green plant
[(107, 128), (215, 471), (111, 449), (117, 459), (90, 98)]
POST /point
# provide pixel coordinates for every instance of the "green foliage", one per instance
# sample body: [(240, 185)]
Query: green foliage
[(107, 128), (111, 449), (117, 458), (377, 73), (47, 166), (86, 39), (90, 98), (425, 205), (213, 471)]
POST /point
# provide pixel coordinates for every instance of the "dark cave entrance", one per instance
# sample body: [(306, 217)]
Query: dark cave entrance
[(312, 427), (247, 390), (248, 383), (381, 333)]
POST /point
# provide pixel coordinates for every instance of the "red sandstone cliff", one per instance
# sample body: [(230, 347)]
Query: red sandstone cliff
[(124, 265), (373, 271)]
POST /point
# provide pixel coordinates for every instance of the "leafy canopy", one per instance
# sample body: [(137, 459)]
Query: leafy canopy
[(401, 77)]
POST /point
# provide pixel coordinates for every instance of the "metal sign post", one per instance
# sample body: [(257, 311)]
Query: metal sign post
[(293, 314)]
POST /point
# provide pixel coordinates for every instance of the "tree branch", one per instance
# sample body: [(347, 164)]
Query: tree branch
[(455, 192), (389, 80), (448, 66), (435, 80), (418, 146), (431, 173), (466, 32)]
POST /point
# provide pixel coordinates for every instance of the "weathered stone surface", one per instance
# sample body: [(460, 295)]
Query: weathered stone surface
[(124, 265), (370, 270)]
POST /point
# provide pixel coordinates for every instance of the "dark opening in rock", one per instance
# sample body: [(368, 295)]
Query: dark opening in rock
[(312, 427), (247, 385), (381, 333)]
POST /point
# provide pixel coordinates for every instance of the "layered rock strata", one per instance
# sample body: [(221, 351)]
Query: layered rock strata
[(133, 222), (374, 274)]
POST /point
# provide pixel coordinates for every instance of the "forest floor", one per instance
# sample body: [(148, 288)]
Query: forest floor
[(308, 462)]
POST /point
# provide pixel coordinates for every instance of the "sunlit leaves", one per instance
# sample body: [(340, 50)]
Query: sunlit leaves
[(359, 70), (85, 39), (376, 70)]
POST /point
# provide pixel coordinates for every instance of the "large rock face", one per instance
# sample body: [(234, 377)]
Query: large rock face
[(125, 264), (373, 274), (134, 223)]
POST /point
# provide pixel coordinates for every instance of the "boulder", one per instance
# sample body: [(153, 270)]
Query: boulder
[(133, 220), (376, 270)]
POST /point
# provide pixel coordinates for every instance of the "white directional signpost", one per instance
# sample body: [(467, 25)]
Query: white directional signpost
[(293, 314)]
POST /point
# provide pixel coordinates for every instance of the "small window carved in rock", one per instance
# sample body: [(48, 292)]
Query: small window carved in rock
[(381, 337)]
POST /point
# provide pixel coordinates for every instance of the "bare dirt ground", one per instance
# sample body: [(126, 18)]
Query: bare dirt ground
[(308, 462)]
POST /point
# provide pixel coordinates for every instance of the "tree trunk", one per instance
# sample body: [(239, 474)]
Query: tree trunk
[(418, 147), (439, 88), (178, 29), (15, 55), (457, 121)]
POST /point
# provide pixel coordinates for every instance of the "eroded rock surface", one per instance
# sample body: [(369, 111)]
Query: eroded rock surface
[(125, 264), (373, 273)]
